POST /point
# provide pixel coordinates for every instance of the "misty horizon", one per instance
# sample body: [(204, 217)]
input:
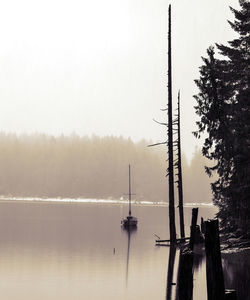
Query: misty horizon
[(40, 165), (38, 134)]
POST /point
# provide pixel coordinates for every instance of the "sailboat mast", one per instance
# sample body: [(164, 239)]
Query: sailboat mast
[(129, 190), (170, 139)]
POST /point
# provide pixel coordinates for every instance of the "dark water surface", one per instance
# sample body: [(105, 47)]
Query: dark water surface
[(79, 251)]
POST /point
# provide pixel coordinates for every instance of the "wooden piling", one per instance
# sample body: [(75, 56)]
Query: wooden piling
[(185, 275), (193, 227), (202, 226), (215, 279)]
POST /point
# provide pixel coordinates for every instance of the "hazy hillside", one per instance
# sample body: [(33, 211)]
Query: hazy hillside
[(45, 166)]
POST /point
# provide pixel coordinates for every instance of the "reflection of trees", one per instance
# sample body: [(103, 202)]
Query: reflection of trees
[(236, 269), (184, 289), (199, 256), (171, 260), (188, 261)]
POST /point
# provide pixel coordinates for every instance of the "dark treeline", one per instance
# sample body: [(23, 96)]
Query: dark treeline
[(224, 109), (72, 166)]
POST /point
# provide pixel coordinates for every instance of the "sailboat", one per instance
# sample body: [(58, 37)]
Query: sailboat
[(129, 221)]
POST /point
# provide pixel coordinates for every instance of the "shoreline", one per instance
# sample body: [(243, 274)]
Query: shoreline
[(95, 201)]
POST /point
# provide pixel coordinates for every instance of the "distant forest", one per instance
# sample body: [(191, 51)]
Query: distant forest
[(71, 166)]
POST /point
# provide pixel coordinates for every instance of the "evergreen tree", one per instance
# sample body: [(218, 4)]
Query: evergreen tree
[(223, 106)]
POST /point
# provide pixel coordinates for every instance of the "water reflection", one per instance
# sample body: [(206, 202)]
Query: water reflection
[(199, 256), (66, 251), (129, 231), (188, 264), (185, 275), (171, 261), (234, 276)]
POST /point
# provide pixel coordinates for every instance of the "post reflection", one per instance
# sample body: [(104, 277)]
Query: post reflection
[(171, 261), (184, 290), (199, 256), (129, 231)]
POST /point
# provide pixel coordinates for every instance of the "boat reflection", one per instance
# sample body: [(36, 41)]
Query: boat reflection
[(129, 231)]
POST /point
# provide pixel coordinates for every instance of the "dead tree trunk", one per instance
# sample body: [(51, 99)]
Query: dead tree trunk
[(170, 139), (193, 228), (180, 187)]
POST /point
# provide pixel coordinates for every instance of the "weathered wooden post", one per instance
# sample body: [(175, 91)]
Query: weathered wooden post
[(193, 227), (202, 226), (215, 279), (185, 275)]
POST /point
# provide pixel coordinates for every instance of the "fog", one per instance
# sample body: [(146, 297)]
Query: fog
[(40, 165), (82, 65)]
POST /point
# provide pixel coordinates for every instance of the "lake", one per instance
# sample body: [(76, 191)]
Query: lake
[(64, 250)]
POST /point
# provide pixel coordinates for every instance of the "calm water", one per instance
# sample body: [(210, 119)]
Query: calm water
[(79, 251)]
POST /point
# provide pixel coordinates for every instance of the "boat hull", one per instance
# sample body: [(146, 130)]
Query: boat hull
[(129, 222)]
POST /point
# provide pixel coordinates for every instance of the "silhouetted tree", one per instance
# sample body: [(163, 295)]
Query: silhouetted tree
[(170, 139), (179, 169), (224, 109)]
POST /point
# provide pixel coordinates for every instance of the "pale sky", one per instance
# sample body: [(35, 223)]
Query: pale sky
[(100, 67)]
